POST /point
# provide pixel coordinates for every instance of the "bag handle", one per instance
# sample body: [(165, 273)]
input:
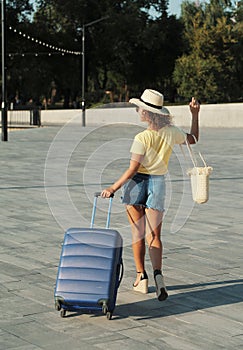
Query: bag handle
[(192, 154)]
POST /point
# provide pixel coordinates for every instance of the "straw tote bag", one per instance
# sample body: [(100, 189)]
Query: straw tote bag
[(199, 176)]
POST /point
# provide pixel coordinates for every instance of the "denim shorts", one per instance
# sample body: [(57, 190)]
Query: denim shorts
[(145, 190)]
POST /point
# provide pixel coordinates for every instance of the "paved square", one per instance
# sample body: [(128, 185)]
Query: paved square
[(48, 176)]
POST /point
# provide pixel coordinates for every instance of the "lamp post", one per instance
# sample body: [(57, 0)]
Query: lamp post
[(83, 65), (4, 95)]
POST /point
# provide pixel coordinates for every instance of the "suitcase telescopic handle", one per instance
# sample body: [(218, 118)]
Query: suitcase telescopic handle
[(96, 195)]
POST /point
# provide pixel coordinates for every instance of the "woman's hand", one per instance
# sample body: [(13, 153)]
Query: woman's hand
[(106, 193), (194, 106), (194, 132)]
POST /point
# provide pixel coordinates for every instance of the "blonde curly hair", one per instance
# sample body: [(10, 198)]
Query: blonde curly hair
[(160, 120)]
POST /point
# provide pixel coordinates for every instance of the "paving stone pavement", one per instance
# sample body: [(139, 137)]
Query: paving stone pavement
[(48, 176)]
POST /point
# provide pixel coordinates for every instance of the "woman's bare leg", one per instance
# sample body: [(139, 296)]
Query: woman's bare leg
[(136, 217), (153, 236)]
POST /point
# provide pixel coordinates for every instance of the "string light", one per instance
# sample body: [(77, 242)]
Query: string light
[(12, 54), (39, 42)]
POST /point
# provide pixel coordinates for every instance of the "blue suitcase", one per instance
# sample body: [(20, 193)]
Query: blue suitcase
[(90, 269)]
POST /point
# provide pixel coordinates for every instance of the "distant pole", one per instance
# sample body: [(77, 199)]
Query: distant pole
[(4, 99), (83, 76), (83, 66)]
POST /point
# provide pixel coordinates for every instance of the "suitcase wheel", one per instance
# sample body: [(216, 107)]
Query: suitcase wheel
[(57, 306), (63, 313), (106, 311), (109, 315), (104, 308)]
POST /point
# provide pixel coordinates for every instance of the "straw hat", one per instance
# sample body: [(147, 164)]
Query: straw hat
[(151, 100)]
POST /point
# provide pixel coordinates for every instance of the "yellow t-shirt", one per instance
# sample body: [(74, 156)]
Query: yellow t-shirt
[(156, 146)]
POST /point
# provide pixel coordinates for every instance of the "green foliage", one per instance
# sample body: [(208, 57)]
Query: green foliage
[(195, 76), (199, 54), (128, 51), (18, 10), (211, 66)]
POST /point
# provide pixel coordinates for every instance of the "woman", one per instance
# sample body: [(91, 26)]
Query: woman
[(144, 193)]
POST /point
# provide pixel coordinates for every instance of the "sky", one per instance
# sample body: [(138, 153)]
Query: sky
[(175, 7)]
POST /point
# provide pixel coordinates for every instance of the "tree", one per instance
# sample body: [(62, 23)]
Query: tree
[(195, 76), (119, 50), (237, 49), (18, 11), (129, 51), (210, 62)]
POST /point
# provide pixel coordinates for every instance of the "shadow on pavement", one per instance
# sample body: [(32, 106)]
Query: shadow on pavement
[(180, 303), (184, 302)]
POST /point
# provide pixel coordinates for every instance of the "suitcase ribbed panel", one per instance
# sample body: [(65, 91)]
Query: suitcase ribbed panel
[(95, 262), (104, 237), (86, 274), (97, 288), (86, 249)]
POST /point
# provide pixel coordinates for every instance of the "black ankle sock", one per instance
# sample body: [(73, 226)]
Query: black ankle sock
[(145, 276), (157, 272)]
